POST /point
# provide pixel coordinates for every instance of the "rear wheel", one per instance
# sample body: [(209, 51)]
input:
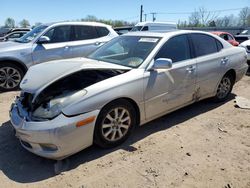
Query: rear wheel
[(114, 124), (224, 88), (10, 76)]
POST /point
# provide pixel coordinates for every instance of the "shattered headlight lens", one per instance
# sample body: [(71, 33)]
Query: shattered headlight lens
[(54, 107)]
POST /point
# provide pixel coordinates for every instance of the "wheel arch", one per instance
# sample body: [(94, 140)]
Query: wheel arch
[(232, 73), (15, 62), (133, 103)]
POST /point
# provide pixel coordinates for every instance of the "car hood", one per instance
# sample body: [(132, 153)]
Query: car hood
[(40, 76), (11, 45), (245, 43)]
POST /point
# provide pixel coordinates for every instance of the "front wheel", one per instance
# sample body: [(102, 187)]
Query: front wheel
[(10, 76), (224, 88), (114, 124)]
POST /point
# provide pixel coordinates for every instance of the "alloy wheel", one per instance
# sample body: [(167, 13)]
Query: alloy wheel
[(116, 124), (9, 77), (224, 88)]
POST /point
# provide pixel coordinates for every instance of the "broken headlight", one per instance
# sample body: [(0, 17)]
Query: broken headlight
[(53, 108)]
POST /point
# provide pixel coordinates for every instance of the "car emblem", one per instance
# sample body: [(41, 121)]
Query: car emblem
[(25, 81)]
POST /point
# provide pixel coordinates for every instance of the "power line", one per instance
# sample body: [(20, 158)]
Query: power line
[(222, 10), (183, 13)]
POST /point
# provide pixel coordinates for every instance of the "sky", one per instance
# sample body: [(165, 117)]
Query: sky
[(129, 10)]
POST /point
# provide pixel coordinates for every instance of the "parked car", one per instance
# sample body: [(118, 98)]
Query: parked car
[(49, 42), (243, 36), (13, 36), (123, 30), (4, 31), (227, 37), (128, 81), (154, 26), (246, 45), (18, 29)]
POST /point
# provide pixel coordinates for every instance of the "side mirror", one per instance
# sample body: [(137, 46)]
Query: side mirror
[(162, 63), (43, 39)]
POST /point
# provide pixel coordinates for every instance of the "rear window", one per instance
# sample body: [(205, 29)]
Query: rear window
[(102, 31), (204, 44), (84, 32)]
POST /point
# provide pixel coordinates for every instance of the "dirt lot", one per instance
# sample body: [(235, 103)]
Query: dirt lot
[(202, 145)]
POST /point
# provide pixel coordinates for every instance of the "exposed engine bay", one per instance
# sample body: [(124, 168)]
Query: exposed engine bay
[(62, 92)]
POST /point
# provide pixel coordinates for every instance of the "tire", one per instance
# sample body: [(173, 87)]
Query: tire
[(224, 88), (10, 76), (114, 124)]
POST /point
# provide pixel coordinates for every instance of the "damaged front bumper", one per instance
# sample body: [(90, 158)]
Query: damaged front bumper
[(54, 139)]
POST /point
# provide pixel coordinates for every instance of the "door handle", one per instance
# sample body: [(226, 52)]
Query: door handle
[(98, 43), (224, 60), (190, 69)]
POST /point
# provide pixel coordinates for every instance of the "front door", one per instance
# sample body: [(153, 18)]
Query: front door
[(166, 90), (57, 48)]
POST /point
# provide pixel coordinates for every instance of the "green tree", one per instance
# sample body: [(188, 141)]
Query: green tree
[(9, 23), (24, 23)]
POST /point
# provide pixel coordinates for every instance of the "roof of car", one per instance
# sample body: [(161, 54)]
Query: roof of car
[(76, 23), (163, 34), (219, 32)]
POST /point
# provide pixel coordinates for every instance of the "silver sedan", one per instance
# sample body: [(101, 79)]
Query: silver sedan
[(67, 105)]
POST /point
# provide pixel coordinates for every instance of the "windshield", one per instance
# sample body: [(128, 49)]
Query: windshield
[(128, 51), (32, 34)]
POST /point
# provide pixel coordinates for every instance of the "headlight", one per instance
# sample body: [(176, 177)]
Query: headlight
[(54, 107)]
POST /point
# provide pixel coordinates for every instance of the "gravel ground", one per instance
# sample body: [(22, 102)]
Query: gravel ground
[(202, 145)]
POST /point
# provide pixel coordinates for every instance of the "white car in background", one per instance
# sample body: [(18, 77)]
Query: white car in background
[(48, 42), (154, 26), (246, 45)]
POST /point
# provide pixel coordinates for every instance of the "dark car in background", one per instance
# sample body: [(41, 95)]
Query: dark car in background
[(123, 30), (243, 36)]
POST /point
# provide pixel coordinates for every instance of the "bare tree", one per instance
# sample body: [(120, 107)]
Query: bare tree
[(202, 17), (194, 19), (206, 17), (244, 16), (9, 23)]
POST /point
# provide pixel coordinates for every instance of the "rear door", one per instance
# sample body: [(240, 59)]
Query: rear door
[(211, 62), (58, 46), (87, 38)]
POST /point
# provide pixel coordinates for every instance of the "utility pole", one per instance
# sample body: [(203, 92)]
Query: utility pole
[(145, 17), (141, 12), (153, 16)]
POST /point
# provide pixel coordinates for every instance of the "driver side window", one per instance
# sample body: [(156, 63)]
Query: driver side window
[(176, 48), (59, 34)]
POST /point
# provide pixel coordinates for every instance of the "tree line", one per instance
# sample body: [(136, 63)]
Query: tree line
[(204, 18), (198, 18)]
